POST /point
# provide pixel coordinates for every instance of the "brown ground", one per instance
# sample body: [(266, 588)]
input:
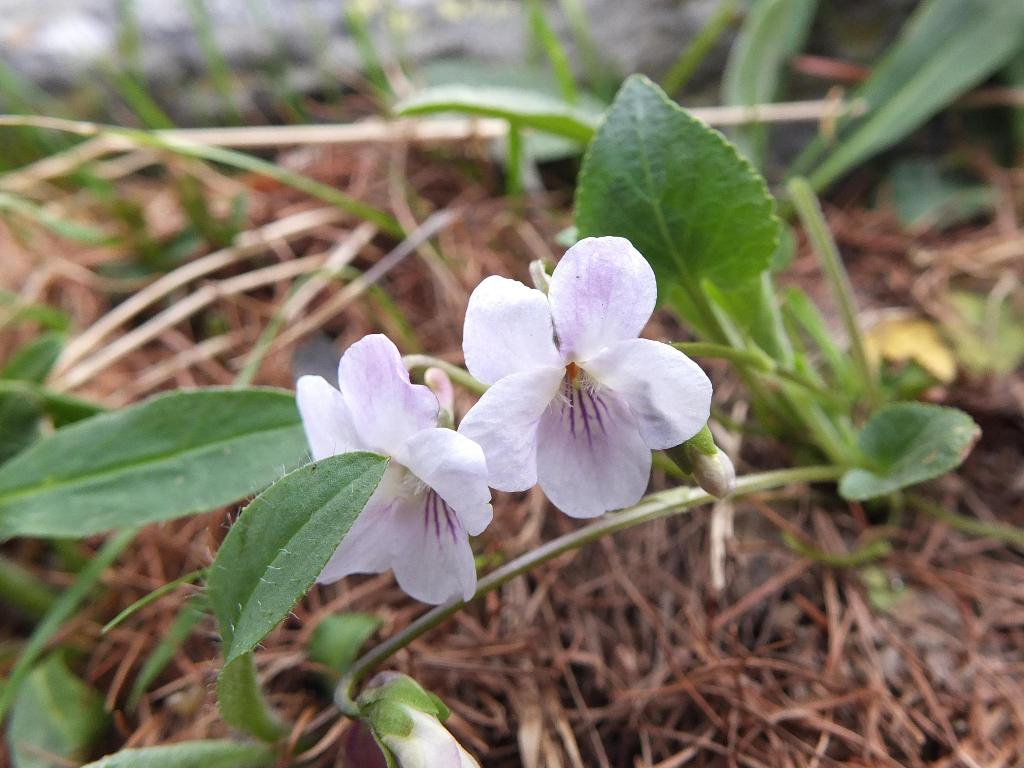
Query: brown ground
[(623, 654)]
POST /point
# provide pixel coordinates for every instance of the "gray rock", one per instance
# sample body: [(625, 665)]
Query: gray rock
[(71, 46), (63, 44)]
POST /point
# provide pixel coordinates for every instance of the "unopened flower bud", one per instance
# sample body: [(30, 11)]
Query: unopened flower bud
[(539, 275), (711, 468), (714, 473), (441, 385), (406, 721)]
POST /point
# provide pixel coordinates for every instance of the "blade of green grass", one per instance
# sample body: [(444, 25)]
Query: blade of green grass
[(216, 65), (692, 56), (548, 41), (61, 610)]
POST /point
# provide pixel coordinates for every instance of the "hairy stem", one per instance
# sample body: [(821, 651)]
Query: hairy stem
[(661, 504)]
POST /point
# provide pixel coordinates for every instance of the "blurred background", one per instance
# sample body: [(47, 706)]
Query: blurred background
[(168, 219)]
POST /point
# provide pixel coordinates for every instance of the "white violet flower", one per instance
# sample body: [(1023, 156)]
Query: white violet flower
[(577, 401), (434, 493)]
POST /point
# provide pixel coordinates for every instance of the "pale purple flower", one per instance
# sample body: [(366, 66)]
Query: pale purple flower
[(577, 401), (434, 493)]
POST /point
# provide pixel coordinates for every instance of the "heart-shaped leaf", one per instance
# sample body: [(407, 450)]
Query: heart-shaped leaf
[(908, 443), (173, 455), (282, 541), (678, 191)]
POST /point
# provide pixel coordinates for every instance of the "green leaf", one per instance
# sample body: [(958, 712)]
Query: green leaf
[(20, 416), (678, 190), (281, 543), (946, 48), (61, 610), (33, 361), (337, 639), (192, 754), (15, 312), (241, 701), (908, 443), (56, 717), (62, 409), (927, 196), (522, 107), (66, 409), (174, 455), (772, 32)]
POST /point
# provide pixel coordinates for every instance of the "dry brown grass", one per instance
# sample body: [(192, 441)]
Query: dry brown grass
[(619, 655)]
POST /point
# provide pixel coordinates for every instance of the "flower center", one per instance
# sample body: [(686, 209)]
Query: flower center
[(572, 372), (582, 404)]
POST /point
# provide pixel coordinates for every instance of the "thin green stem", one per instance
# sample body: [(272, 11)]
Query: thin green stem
[(458, 375), (1011, 534), (156, 594), (874, 550), (692, 56), (652, 507), (809, 210), (20, 588)]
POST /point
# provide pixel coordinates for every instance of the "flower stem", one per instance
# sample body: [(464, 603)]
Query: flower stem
[(1010, 534), (661, 504), (459, 375), (873, 550), (809, 210)]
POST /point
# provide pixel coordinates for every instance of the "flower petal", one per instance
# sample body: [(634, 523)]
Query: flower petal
[(386, 408), (508, 329), (668, 392), (453, 466), (504, 424), (590, 456), (432, 560), (466, 760), (601, 292), (325, 417), (427, 745), (369, 545)]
